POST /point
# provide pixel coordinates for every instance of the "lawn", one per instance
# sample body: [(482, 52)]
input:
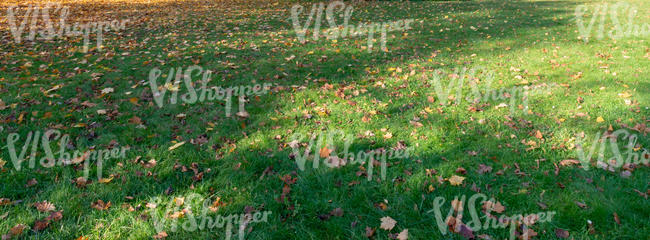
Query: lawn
[(511, 107)]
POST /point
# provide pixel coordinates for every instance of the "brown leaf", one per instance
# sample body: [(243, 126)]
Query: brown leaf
[(17, 230), (561, 233), (160, 235), (581, 204), (100, 205), (44, 206), (496, 207), (538, 135), (55, 216), (135, 120), (338, 212), (370, 232), (569, 162), (484, 169), (31, 182), (5, 201), (466, 232), (41, 224), (324, 152), (616, 219)]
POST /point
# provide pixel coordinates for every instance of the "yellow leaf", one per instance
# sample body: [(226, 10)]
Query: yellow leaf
[(176, 146), (600, 119), (456, 180), (105, 180)]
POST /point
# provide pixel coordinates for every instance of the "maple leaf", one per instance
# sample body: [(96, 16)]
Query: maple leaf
[(456, 180), (491, 206), (324, 152), (387, 223), (403, 235)]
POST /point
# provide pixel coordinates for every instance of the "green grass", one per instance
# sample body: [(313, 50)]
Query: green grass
[(244, 43)]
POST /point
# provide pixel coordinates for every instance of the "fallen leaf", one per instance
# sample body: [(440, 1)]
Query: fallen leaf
[(41, 224), (100, 205), (561, 233), (338, 212), (135, 120), (324, 152), (160, 235), (387, 223), (403, 235), (569, 162), (616, 219), (44, 206), (107, 90), (455, 180), (31, 182), (175, 146), (105, 180), (370, 232)]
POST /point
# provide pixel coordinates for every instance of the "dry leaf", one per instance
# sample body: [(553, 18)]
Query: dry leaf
[(100, 205), (160, 235), (324, 152), (41, 224), (31, 182), (456, 180), (387, 223), (561, 233), (403, 235), (175, 146), (616, 219), (105, 180), (370, 232), (44, 206)]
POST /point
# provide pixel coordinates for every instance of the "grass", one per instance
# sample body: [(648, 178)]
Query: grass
[(247, 162)]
